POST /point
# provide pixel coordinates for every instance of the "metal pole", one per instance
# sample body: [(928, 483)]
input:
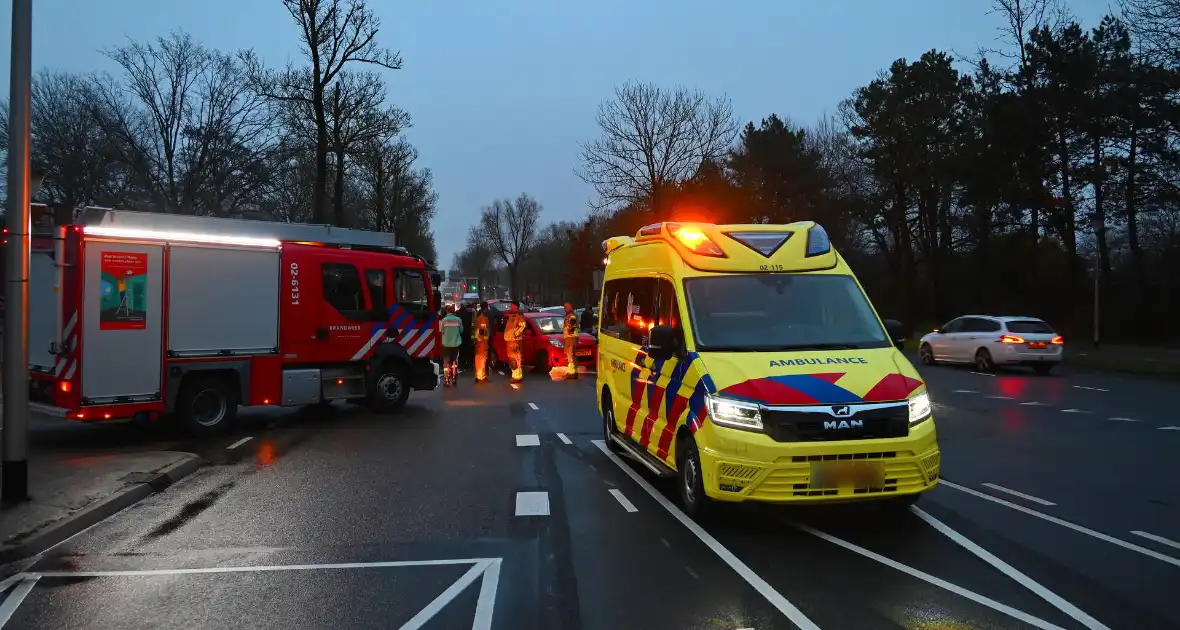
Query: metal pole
[(14, 476)]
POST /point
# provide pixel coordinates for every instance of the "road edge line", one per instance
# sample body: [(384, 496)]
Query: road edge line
[(68, 526), (776, 599)]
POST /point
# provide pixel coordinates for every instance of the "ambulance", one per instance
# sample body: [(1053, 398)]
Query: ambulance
[(747, 362), (137, 315)]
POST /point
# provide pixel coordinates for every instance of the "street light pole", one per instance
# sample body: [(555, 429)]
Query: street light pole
[(14, 475)]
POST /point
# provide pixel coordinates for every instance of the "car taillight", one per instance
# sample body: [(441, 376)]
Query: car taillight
[(1057, 340), (1010, 339)]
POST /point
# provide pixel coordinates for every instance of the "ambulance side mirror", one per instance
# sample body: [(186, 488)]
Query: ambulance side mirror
[(662, 343), (896, 332)]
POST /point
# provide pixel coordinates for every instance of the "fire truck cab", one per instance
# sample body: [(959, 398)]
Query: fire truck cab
[(138, 315)]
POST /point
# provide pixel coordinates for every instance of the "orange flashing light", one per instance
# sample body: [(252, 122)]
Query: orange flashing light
[(695, 240), (1011, 339)]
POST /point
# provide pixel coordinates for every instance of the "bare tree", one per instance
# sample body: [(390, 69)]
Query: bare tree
[(358, 118), (334, 33), (191, 126), (475, 261), (1022, 16), (509, 230), (1157, 24), (652, 139)]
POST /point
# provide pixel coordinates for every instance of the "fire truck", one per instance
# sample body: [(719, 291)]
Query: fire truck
[(137, 315)]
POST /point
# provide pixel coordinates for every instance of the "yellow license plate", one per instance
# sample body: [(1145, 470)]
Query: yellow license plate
[(585, 353), (828, 475)]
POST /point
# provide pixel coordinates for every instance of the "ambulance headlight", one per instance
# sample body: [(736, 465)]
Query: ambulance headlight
[(556, 343), (919, 409), (735, 414)]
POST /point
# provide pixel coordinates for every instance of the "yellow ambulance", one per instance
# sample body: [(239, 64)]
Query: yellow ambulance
[(747, 362)]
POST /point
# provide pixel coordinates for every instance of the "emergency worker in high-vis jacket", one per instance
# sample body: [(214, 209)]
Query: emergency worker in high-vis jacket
[(513, 332), (481, 331), (569, 337)]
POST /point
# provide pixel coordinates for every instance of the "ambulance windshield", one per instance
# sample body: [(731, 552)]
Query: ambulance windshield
[(780, 312)]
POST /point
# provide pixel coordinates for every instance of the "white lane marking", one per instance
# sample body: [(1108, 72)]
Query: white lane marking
[(528, 440), (487, 596), (1173, 428), (259, 569), (983, 554), (623, 501), (1159, 539), (1000, 397), (930, 579), (515, 386), (1064, 523), (981, 374), (1120, 419), (965, 391), (1093, 389), (1032, 403), (775, 598), (1074, 411), (534, 407), (564, 439), (1014, 493), (532, 504), (444, 598), (239, 443), (13, 601)]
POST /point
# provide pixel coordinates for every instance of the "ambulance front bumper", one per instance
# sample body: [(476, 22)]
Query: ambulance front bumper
[(745, 466)]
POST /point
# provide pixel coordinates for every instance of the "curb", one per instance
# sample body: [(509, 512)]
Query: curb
[(68, 526)]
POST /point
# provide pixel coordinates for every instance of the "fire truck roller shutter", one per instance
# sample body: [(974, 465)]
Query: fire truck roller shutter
[(389, 377), (122, 333), (222, 299)]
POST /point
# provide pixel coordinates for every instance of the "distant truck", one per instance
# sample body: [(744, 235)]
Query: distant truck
[(140, 316)]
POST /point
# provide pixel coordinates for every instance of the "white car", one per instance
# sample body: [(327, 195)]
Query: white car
[(987, 342)]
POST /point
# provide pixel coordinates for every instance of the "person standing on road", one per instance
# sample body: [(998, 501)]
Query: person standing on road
[(452, 338), (569, 337), (482, 336), (513, 331), (465, 353), (588, 319)]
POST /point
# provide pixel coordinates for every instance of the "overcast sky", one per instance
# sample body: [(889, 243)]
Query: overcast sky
[(502, 92)]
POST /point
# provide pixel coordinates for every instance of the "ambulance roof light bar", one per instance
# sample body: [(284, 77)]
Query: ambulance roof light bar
[(695, 240), (817, 241)]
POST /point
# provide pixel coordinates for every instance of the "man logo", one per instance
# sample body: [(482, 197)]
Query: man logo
[(841, 411), (836, 425)]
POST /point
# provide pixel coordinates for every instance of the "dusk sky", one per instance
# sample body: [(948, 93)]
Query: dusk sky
[(502, 92)]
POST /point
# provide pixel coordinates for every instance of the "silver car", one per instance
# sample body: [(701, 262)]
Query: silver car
[(988, 342)]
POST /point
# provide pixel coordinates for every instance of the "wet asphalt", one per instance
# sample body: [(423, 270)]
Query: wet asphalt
[(340, 518)]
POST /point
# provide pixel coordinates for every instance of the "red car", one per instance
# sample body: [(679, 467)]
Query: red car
[(542, 346)]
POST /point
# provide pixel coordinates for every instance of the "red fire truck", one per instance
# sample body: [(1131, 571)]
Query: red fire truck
[(143, 315)]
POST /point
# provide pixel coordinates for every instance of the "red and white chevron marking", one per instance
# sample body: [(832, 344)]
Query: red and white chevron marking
[(65, 366)]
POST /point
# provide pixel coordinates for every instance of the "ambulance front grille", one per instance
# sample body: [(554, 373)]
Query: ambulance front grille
[(867, 424)]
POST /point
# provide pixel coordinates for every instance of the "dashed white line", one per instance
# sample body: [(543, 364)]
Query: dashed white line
[(239, 443), (1064, 523), (564, 439), (981, 374), (1093, 389), (1074, 411), (528, 440), (1033, 403), (1159, 539), (515, 386), (930, 579), (983, 554), (1168, 429), (1014, 493), (534, 407), (623, 501), (1121, 419), (776, 599), (965, 391), (532, 504), (1000, 397)]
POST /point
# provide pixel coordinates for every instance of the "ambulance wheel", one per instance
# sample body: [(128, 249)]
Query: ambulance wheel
[(609, 429), (207, 405), (390, 388), (693, 499)]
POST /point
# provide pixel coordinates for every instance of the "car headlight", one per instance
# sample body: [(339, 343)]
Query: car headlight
[(734, 413), (556, 343), (919, 409)]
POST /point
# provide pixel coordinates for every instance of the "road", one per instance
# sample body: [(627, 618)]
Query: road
[(494, 507)]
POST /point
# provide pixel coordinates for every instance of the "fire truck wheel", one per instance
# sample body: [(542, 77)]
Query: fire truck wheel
[(207, 405), (391, 388)]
